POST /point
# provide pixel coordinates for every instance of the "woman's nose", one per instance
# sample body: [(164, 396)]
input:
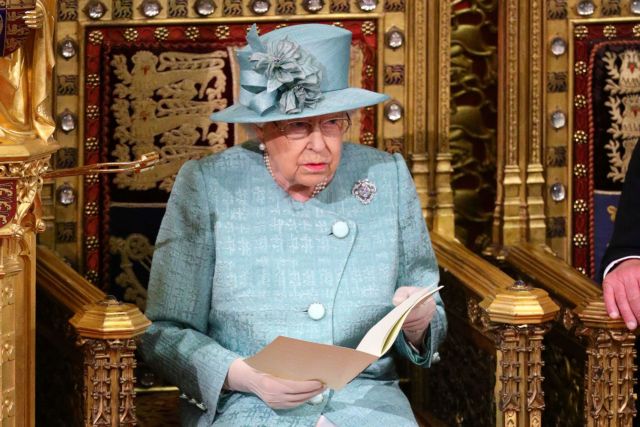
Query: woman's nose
[(316, 139)]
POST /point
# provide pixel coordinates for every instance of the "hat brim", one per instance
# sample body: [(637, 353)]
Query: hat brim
[(333, 102)]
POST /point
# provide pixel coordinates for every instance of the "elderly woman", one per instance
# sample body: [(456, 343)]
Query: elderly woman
[(296, 234)]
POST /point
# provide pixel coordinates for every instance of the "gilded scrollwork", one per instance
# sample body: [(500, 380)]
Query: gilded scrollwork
[(135, 252), (101, 357), (623, 87), (610, 375), (177, 121), (473, 136)]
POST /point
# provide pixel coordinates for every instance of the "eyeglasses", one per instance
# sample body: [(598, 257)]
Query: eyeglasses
[(333, 127)]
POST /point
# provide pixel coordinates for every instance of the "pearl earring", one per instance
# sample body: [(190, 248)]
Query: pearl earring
[(261, 146)]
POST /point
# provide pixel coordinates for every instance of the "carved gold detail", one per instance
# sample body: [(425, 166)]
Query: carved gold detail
[(579, 240), (91, 208), (122, 9), (557, 9), (91, 143), (579, 206), (580, 170), (192, 33), (92, 179), (611, 8), (367, 138), (580, 32), (222, 32), (339, 6), (91, 243), (96, 37), (285, 7), (394, 5), (232, 7), (92, 276), (610, 376), (394, 74), (161, 33), (609, 31), (93, 112), (368, 28), (580, 68), (636, 30), (394, 145), (580, 137), (130, 34), (368, 70), (177, 8), (93, 80)]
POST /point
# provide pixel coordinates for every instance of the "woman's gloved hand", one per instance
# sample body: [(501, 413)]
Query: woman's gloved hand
[(276, 392), (416, 324)]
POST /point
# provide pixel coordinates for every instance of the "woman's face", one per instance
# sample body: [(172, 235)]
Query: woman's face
[(304, 152)]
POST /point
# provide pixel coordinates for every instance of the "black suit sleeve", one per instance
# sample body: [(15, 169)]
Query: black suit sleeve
[(626, 233)]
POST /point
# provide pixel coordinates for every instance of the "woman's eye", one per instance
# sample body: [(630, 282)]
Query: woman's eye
[(298, 126)]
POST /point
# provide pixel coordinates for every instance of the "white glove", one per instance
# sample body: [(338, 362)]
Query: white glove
[(416, 324), (275, 392)]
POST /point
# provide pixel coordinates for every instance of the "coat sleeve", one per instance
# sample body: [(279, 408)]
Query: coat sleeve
[(177, 345), (625, 241), (417, 264)]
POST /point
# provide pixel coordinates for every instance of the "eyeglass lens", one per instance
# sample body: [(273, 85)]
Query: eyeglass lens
[(331, 127)]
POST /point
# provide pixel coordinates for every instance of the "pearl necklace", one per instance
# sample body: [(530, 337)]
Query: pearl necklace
[(317, 189)]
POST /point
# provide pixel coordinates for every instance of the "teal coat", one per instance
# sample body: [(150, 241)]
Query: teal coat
[(238, 262)]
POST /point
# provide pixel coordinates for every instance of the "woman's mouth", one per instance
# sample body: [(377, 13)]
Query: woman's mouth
[(315, 167)]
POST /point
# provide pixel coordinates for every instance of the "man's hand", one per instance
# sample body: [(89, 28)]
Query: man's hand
[(621, 289), (416, 323), (275, 392)]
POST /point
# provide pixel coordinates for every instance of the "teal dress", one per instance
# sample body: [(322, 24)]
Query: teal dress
[(238, 262)]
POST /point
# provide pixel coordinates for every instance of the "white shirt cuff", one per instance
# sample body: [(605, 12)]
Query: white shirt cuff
[(618, 261)]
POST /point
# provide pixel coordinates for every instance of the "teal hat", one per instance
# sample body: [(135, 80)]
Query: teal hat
[(294, 72)]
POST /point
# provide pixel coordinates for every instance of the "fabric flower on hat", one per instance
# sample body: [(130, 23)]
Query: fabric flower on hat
[(289, 70)]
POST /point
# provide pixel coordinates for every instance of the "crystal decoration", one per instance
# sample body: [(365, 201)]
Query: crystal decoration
[(150, 8), (67, 48), (95, 9), (260, 7), (393, 111), (586, 8), (394, 38), (558, 46), (66, 194), (558, 119), (635, 7), (67, 121), (313, 6), (558, 192), (205, 7), (367, 5)]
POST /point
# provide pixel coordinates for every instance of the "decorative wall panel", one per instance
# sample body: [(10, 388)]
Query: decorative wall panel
[(606, 128)]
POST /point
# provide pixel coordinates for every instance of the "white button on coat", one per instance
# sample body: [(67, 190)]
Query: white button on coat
[(316, 311), (317, 399), (340, 229), (435, 358)]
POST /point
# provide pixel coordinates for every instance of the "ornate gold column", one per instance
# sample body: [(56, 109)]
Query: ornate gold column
[(519, 212), (519, 317), (428, 142), (21, 167), (610, 371), (107, 330)]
